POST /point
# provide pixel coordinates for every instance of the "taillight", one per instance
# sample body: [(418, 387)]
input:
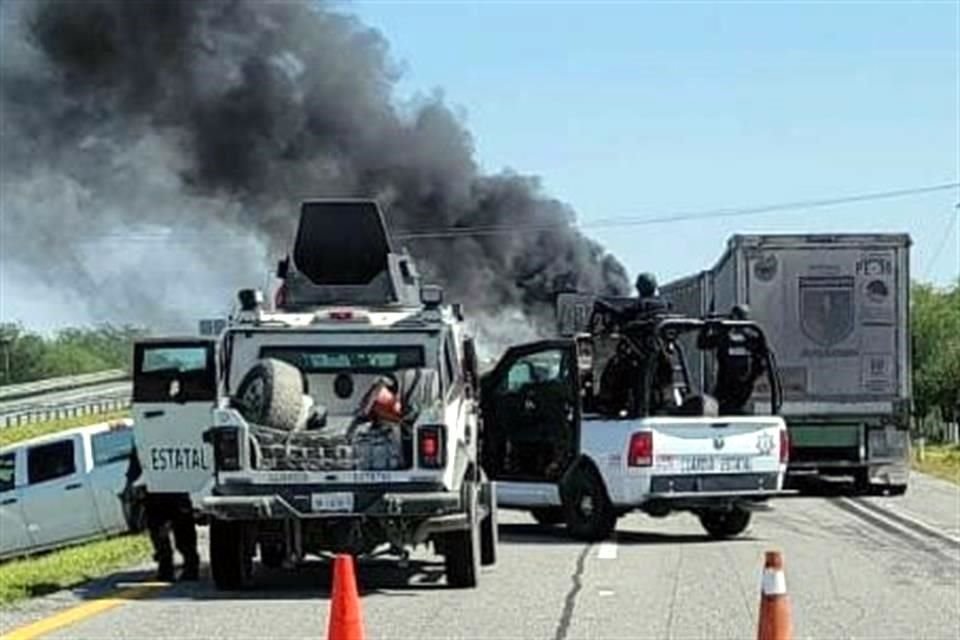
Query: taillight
[(784, 446), (226, 449), (430, 446), (640, 453)]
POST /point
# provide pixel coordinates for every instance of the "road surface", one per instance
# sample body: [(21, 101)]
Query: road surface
[(864, 568)]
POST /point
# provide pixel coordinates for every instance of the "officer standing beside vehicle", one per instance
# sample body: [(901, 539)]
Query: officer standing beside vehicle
[(165, 511)]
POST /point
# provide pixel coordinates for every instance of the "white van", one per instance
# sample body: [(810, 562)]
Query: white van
[(65, 487)]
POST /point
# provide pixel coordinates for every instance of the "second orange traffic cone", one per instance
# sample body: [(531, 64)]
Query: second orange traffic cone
[(775, 621), (346, 620)]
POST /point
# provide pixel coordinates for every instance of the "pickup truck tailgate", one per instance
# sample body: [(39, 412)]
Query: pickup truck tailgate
[(708, 445)]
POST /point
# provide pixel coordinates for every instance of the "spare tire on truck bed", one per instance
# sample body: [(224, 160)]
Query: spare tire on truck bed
[(271, 394)]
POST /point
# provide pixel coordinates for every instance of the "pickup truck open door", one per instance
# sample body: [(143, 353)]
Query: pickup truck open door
[(531, 408), (174, 393)]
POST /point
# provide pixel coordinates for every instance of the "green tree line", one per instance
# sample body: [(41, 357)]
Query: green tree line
[(935, 325), (26, 355)]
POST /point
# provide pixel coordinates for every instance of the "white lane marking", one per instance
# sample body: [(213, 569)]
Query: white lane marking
[(605, 593), (607, 551)]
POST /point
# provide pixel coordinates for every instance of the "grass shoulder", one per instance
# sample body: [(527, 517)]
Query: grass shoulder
[(49, 572), (10, 435), (942, 461)]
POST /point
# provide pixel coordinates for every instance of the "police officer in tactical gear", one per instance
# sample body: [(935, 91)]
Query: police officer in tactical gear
[(625, 374), (166, 511), (738, 364), (649, 301)]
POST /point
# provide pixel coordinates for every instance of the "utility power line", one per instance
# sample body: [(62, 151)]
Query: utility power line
[(631, 221), (947, 234), (239, 236)]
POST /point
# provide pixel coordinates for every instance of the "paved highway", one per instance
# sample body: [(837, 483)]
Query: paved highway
[(867, 568), (67, 398)]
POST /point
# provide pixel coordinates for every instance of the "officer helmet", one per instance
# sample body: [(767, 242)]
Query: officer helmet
[(646, 285), (740, 312)]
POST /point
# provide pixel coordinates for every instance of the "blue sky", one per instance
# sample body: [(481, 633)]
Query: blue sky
[(650, 108)]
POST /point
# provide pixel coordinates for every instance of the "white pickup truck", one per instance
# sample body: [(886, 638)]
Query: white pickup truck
[(66, 487), (569, 452)]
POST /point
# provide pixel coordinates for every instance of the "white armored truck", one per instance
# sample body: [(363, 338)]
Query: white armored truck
[(345, 419)]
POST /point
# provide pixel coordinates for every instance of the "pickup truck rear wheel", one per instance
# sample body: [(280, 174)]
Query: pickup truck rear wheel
[(489, 529), (271, 555), (725, 524), (547, 515), (231, 555), (586, 507), (462, 548)]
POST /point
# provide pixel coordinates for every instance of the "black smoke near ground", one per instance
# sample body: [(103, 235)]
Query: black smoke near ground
[(154, 154)]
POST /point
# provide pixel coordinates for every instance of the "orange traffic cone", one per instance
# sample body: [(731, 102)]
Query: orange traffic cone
[(774, 606), (346, 621)]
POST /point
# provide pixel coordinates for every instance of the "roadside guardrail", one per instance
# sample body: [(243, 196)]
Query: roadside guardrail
[(64, 383), (61, 412)]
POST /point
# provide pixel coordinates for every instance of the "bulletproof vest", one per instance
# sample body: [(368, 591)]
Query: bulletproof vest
[(654, 305)]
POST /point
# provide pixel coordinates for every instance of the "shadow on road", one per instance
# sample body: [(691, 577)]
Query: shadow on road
[(541, 534), (817, 487), (312, 580)]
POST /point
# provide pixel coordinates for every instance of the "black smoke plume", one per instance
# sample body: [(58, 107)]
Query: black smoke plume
[(154, 154)]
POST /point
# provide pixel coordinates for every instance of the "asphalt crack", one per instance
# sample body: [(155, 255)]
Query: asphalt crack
[(570, 602), (674, 591)]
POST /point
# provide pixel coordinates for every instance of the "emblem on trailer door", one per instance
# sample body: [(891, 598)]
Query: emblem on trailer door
[(826, 309), (765, 268)]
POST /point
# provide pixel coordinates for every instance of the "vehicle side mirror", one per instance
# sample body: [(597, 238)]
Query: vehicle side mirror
[(283, 268)]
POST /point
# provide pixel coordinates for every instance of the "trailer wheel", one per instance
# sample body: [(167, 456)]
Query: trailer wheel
[(271, 394), (586, 508), (861, 482), (231, 555), (897, 489), (462, 549), (722, 525)]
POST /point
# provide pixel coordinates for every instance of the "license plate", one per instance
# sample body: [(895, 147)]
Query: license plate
[(695, 464), (338, 502), (736, 463), (705, 464)]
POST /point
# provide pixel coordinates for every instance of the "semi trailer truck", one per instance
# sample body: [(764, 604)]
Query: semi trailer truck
[(835, 308)]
